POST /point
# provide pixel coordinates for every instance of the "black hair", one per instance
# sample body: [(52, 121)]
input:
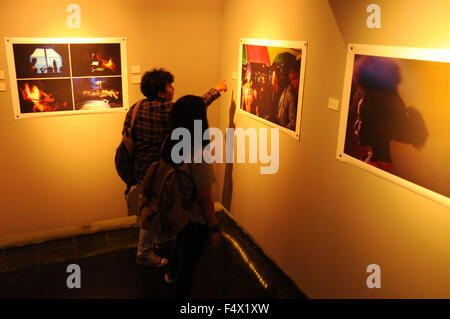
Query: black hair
[(184, 112), (155, 81), (188, 109), (377, 73), (383, 113), (284, 63)]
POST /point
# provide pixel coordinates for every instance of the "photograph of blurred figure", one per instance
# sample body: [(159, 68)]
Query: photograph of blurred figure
[(387, 133)]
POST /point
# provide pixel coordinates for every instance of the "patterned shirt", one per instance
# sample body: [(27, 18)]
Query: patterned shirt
[(152, 124)]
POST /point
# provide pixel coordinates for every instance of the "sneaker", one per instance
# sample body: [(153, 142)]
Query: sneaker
[(168, 280), (152, 260)]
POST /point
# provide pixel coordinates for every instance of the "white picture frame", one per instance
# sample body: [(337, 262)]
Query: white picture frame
[(273, 48), (416, 67), (45, 62)]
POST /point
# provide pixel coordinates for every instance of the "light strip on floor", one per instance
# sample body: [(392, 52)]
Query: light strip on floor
[(245, 258)]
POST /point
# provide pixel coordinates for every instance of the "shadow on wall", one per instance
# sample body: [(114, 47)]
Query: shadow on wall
[(228, 177)]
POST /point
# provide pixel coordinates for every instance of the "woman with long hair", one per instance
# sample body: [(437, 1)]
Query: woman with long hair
[(195, 181)]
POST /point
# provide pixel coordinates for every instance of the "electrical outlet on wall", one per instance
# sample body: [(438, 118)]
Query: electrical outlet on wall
[(333, 104), (135, 69), (135, 79)]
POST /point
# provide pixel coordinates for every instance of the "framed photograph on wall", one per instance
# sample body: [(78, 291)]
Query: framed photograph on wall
[(270, 82), (395, 116), (61, 76)]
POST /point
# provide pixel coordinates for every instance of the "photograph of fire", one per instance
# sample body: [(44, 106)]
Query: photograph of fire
[(97, 93), (55, 77), (45, 95), (41, 60), (397, 119), (95, 59), (270, 78)]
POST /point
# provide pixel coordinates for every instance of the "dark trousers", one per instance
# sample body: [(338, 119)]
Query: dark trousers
[(186, 252)]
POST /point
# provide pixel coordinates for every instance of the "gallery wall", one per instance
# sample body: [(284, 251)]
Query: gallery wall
[(324, 221), (59, 171)]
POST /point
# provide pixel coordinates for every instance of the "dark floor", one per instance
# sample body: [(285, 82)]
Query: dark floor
[(236, 269)]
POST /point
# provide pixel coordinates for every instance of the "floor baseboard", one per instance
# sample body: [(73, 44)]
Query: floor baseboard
[(64, 232)]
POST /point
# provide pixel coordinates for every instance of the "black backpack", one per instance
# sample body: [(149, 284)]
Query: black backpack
[(124, 158)]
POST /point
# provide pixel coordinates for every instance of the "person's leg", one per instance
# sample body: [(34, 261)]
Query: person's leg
[(144, 245), (192, 245), (145, 255), (174, 259), (145, 240), (162, 245), (163, 241)]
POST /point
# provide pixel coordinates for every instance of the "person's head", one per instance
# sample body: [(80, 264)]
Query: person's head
[(378, 78), (157, 84), (288, 68), (377, 73), (184, 112), (382, 115), (188, 109)]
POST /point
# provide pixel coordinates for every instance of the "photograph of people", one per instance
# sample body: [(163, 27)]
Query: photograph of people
[(270, 83), (40, 60)]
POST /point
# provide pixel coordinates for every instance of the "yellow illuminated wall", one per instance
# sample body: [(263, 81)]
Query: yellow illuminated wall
[(59, 171), (321, 220)]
